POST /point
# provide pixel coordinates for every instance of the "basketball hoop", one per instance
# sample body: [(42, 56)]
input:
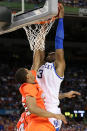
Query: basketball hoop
[(37, 32)]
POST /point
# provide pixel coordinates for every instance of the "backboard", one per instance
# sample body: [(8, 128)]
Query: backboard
[(25, 12)]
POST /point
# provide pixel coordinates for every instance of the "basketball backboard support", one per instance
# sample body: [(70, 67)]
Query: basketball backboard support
[(24, 16)]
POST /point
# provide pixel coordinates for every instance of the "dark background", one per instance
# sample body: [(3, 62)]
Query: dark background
[(75, 42)]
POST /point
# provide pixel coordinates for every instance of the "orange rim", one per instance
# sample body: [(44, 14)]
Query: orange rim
[(14, 12), (52, 19), (48, 21)]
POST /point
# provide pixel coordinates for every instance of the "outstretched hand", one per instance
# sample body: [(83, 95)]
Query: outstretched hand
[(72, 94), (60, 10)]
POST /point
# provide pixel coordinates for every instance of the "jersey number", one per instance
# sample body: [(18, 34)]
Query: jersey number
[(40, 72)]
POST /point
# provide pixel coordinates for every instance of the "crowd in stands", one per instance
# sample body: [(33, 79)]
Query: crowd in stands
[(75, 3), (10, 99), (75, 79), (74, 126), (8, 88), (7, 124)]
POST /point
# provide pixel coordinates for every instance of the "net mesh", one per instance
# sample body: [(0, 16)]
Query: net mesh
[(36, 34)]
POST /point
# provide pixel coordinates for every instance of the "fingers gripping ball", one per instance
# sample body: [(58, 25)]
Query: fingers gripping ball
[(5, 16)]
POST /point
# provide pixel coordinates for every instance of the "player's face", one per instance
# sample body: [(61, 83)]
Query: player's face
[(30, 77), (51, 57)]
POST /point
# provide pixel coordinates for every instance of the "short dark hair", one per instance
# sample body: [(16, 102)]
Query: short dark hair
[(49, 58), (20, 75)]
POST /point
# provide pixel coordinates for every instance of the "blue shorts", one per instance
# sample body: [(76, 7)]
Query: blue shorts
[(57, 129)]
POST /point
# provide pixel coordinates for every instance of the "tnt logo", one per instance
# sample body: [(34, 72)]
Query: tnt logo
[(56, 123)]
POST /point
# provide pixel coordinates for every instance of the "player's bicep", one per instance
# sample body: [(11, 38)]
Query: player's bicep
[(60, 62), (60, 70), (59, 56), (31, 103), (38, 59)]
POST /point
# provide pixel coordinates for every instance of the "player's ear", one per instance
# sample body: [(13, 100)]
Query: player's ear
[(27, 76)]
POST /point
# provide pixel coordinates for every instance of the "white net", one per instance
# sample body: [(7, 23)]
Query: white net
[(36, 34)]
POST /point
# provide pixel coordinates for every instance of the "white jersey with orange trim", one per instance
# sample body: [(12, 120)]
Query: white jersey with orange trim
[(50, 83)]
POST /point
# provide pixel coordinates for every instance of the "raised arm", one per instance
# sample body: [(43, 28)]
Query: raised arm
[(38, 59), (39, 49), (59, 53)]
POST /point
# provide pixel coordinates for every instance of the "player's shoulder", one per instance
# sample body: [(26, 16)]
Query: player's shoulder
[(25, 87)]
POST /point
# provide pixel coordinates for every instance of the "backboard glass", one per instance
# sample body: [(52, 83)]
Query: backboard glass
[(21, 6), (14, 5), (25, 12)]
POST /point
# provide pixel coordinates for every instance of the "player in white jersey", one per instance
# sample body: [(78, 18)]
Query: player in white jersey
[(50, 82), (51, 75)]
